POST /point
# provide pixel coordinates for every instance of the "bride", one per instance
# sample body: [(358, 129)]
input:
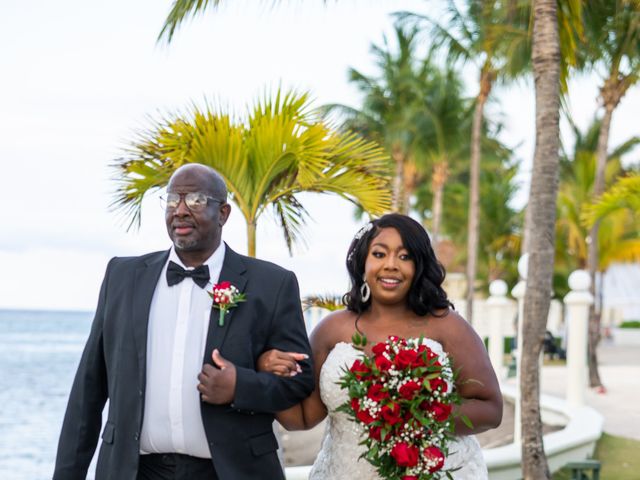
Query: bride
[(396, 290)]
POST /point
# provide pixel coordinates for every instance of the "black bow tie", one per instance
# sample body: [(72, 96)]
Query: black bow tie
[(175, 274)]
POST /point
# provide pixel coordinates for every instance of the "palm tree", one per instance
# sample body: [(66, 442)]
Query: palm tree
[(612, 29), (393, 100), (542, 200), (623, 195), (282, 150), (442, 120), (495, 39), (500, 224), (616, 235)]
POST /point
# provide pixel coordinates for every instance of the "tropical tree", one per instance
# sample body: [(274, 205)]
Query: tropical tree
[(623, 195), (443, 120), (494, 38), (542, 199), (283, 149), (392, 102), (616, 236), (612, 46)]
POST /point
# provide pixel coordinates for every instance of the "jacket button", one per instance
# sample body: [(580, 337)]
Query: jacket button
[(136, 437)]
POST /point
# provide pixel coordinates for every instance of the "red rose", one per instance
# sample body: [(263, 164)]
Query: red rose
[(409, 477), (222, 286), (379, 348), (365, 417), (383, 363), (355, 405), (409, 389), (391, 413), (360, 370), (405, 358), (375, 392), (405, 455), (433, 455), (441, 411), (375, 432), (438, 383)]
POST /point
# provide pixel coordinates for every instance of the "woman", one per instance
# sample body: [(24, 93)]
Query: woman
[(396, 290)]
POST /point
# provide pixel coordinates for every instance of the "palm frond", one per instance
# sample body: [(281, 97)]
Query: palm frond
[(180, 11), (326, 301), (625, 194)]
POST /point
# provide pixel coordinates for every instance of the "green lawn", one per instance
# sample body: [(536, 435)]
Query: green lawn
[(620, 458)]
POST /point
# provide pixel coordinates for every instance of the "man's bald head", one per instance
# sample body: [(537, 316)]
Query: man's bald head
[(203, 175)]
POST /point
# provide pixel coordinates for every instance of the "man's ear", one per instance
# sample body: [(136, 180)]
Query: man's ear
[(225, 211)]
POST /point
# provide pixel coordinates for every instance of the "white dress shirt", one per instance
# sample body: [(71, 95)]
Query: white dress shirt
[(177, 332)]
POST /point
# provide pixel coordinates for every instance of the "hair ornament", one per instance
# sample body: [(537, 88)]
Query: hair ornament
[(363, 230)]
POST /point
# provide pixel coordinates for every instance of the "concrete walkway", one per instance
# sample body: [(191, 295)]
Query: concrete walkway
[(620, 374)]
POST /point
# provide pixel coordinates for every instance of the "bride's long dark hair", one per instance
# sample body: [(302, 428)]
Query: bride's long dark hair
[(426, 295)]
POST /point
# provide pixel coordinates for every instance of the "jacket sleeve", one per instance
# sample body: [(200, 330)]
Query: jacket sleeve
[(265, 392), (83, 417)]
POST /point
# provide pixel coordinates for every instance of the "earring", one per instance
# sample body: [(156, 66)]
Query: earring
[(365, 291)]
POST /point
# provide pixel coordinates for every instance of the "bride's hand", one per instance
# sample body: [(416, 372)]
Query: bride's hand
[(281, 363)]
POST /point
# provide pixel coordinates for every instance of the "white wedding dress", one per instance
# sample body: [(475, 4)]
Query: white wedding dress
[(339, 455)]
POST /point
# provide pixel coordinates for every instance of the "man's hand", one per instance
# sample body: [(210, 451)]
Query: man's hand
[(281, 363), (217, 385)]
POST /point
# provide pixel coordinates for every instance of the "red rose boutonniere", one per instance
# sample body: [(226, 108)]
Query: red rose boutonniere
[(225, 296)]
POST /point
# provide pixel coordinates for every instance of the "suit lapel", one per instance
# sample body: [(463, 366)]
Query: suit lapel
[(233, 270), (146, 279)]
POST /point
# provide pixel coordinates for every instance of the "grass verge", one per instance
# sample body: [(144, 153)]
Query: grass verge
[(618, 456)]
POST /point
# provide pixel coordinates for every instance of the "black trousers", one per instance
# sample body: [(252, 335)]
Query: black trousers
[(174, 466)]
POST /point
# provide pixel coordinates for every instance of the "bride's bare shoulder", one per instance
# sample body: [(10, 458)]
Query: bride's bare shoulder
[(336, 327)]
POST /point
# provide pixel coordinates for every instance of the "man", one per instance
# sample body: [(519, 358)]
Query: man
[(173, 415)]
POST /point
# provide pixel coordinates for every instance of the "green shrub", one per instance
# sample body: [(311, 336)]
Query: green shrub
[(630, 324)]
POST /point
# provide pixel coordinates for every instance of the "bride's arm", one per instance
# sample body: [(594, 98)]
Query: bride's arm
[(477, 383), (311, 410)]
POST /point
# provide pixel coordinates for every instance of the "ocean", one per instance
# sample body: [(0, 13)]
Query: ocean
[(39, 354)]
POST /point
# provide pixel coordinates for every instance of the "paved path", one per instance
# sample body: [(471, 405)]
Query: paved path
[(620, 374), (620, 405)]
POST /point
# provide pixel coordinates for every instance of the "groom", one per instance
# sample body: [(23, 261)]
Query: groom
[(185, 401)]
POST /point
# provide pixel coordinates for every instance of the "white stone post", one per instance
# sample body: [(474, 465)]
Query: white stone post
[(577, 301), (518, 293), (497, 312)]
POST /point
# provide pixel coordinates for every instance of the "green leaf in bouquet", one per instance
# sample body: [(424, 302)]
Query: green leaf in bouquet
[(358, 340), (466, 421)]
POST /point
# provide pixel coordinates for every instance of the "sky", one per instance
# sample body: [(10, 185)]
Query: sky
[(79, 79)]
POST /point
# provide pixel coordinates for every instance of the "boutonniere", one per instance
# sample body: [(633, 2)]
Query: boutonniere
[(225, 296)]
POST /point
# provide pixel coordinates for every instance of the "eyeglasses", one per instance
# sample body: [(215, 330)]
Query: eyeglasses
[(195, 201)]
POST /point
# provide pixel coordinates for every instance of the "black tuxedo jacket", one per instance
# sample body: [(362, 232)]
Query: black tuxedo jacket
[(113, 367)]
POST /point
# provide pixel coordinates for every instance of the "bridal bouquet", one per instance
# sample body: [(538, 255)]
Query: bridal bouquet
[(403, 397)]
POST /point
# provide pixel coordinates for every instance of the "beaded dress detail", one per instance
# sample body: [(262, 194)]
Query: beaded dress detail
[(338, 458)]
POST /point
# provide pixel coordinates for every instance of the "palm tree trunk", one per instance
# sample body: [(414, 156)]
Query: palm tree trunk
[(542, 202), (592, 253), (440, 174), (398, 157), (251, 238), (410, 176), (474, 190)]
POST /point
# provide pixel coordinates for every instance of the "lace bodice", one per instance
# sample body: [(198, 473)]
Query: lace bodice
[(339, 455)]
